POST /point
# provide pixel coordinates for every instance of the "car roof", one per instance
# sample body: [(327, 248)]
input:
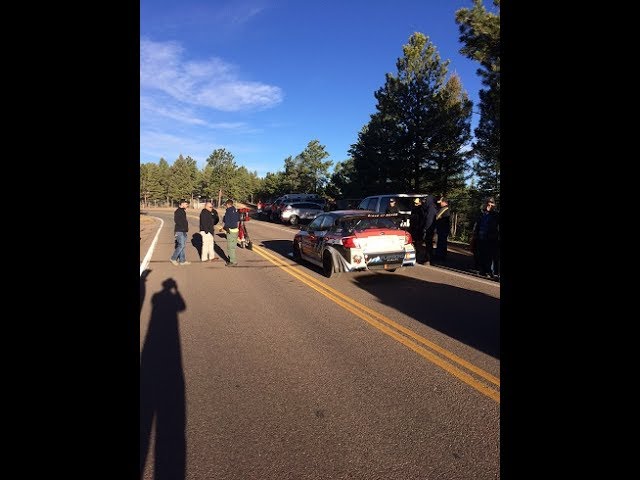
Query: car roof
[(399, 195)]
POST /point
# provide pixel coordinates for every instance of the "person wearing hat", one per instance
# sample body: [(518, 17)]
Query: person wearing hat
[(443, 227), (416, 225), (180, 233)]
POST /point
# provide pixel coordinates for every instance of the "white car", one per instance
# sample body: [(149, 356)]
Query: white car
[(352, 240)]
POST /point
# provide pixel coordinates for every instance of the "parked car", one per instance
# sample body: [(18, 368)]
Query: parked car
[(293, 213), (404, 202), (278, 205), (352, 240)]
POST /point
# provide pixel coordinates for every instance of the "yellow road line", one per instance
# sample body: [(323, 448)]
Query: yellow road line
[(349, 304)]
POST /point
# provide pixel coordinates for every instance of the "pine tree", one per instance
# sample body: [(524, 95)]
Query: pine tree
[(480, 36), (415, 140)]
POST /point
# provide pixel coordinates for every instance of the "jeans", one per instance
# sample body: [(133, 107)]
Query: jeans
[(181, 242)]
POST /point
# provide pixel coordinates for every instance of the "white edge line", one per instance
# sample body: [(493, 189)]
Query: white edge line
[(147, 257)]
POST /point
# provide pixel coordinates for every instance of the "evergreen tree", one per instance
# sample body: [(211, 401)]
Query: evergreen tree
[(182, 179), (480, 36), (448, 157), (222, 174), (164, 172), (405, 146), (343, 182), (313, 171), (150, 186)]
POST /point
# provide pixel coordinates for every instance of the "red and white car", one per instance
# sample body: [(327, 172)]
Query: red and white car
[(352, 240)]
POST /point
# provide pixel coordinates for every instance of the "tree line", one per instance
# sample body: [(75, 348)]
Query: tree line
[(418, 139)]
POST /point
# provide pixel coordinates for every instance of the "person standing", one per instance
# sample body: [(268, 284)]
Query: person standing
[(230, 222), (486, 233), (443, 227), (180, 233), (416, 224), (429, 207), (207, 231)]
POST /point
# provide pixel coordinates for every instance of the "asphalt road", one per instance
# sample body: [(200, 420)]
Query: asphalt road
[(272, 371)]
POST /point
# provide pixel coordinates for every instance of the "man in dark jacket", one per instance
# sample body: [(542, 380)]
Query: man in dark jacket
[(230, 222), (416, 225), (443, 227), (392, 208), (207, 231), (180, 232), (429, 207), (486, 234)]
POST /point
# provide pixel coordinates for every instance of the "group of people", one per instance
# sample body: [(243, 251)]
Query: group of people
[(429, 218), (425, 221), (208, 219)]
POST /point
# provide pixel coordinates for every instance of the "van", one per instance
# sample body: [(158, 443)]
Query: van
[(380, 203)]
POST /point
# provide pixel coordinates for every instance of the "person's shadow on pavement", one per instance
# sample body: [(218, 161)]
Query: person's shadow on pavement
[(162, 388), (196, 241)]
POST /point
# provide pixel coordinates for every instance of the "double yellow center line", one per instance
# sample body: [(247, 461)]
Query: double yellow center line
[(486, 384)]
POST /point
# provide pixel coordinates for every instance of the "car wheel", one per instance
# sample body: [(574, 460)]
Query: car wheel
[(328, 267), (296, 252), (293, 220)]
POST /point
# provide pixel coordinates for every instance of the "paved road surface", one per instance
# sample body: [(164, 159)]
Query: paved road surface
[(262, 371)]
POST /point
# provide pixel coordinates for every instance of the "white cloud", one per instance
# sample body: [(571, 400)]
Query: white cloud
[(211, 83), (149, 105)]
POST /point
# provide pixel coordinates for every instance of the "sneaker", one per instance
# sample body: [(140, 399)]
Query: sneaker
[(175, 262), (229, 264), (185, 263)]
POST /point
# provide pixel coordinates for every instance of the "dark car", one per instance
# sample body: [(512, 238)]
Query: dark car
[(404, 202), (351, 240)]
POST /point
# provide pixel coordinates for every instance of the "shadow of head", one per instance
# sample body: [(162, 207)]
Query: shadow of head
[(169, 284)]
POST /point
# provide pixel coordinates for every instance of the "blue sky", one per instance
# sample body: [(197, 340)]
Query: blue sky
[(263, 78)]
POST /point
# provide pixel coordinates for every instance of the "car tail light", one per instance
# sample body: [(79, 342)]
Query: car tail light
[(350, 242), (407, 238)]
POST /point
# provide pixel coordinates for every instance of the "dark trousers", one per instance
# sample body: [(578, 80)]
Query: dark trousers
[(441, 244), (488, 254), (428, 246)]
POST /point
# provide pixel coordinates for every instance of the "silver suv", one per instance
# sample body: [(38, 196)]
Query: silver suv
[(404, 202), (294, 212)]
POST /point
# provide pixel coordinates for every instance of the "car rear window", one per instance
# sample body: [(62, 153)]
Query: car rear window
[(351, 225)]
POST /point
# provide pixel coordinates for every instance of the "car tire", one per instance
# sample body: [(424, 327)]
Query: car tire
[(293, 220), (296, 252), (330, 268)]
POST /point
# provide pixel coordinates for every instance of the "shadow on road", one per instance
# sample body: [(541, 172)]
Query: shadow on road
[(143, 286), (281, 247), (162, 389), (471, 317), (196, 241)]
